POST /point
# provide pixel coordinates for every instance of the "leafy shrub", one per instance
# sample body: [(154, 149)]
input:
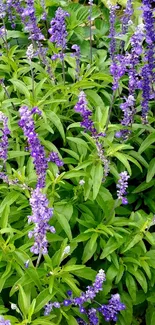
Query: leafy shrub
[(77, 127)]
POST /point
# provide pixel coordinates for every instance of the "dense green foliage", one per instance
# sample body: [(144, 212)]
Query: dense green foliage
[(90, 219)]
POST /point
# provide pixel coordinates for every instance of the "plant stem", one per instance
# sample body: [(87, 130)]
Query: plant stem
[(32, 75), (63, 69), (39, 258)]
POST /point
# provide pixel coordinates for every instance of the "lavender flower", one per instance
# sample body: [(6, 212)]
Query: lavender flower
[(49, 307), (4, 138), (111, 310), (2, 9), (36, 149), (150, 36), (126, 19), (41, 214), (92, 315), (4, 322), (53, 157), (76, 54), (43, 6), (29, 18), (145, 92), (82, 108), (122, 186), (127, 108), (58, 29), (30, 52), (91, 291)]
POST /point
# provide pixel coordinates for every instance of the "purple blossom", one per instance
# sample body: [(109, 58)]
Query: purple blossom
[(4, 138), (36, 149), (150, 35), (145, 92), (41, 214), (2, 9), (91, 291), (4, 322), (122, 187), (111, 310), (92, 315), (126, 19), (29, 18), (80, 321), (58, 29), (82, 108), (127, 108), (76, 54), (67, 302), (53, 157), (49, 307)]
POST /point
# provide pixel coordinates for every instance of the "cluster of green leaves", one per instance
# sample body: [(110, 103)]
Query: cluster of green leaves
[(100, 232)]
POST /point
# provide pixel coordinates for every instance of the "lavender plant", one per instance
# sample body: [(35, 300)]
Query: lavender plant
[(66, 210)]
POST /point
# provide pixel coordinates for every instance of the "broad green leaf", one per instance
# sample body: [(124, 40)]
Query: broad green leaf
[(131, 243), (151, 171), (21, 87), (147, 142), (42, 299), (111, 246), (64, 224), (124, 160), (23, 301), (71, 321), (97, 176), (54, 118), (90, 248), (131, 286)]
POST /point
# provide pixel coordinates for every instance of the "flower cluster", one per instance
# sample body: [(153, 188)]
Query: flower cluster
[(122, 187), (53, 157), (36, 149), (41, 214), (58, 30), (30, 22), (4, 138), (111, 310), (81, 107), (4, 322), (126, 19)]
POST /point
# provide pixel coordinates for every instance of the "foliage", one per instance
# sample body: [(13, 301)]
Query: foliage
[(88, 217)]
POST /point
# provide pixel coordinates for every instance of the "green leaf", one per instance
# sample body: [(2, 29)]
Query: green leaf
[(23, 301), (111, 246), (144, 186), (71, 321), (56, 121), (97, 176), (151, 171), (31, 310), (147, 142), (90, 248), (140, 277), (42, 299), (131, 242), (122, 157), (131, 286), (21, 87), (64, 224)]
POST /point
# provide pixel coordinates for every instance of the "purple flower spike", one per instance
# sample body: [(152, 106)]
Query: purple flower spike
[(122, 187), (4, 322), (41, 214), (92, 315), (111, 310), (4, 138), (82, 108), (36, 149), (58, 29)]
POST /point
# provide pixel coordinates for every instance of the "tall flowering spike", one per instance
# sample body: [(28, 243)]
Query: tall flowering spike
[(82, 108), (122, 187), (126, 19), (92, 315), (30, 21), (36, 149), (110, 311), (4, 138), (91, 291), (58, 30), (127, 108), (149, 22), (41, 214), (76, 54), (4, 322), (145, 92)]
